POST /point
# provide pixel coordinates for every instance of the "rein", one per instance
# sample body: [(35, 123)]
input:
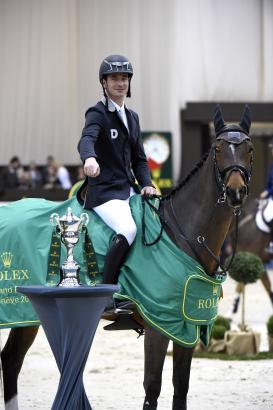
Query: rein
[(144, 199), (201, 240)]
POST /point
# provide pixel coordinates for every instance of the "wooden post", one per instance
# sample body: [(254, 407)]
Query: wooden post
[(243, 325)]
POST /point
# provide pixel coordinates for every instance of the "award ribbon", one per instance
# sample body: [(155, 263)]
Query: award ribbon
[(54, 257)]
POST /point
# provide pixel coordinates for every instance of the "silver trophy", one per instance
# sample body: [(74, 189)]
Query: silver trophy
[(69, 228)]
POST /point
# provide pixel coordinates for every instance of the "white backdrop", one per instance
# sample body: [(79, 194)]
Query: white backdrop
[(181, 50)]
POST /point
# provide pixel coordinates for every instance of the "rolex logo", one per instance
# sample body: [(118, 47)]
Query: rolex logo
[(6, 259), (215, 289)]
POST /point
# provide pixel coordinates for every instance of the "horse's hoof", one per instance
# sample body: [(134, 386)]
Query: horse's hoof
[(179, 404)]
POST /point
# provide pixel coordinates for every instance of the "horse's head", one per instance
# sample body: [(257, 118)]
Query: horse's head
[(233, 156)]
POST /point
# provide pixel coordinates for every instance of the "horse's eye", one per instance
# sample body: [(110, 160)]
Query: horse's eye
[(217, 149)]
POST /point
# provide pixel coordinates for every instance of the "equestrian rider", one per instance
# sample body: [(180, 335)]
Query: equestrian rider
[(268, 193), (113, 155)]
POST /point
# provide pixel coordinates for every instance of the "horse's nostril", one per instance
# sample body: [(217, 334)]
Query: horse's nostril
[(243, 190)]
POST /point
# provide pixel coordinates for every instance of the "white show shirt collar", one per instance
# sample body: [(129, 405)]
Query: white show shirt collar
[(121, 112)]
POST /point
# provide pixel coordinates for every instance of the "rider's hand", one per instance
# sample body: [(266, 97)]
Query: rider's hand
[(264, 195), (149, 191), (91, 167)]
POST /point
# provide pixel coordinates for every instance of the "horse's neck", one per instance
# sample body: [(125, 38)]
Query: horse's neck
[(199, 214)]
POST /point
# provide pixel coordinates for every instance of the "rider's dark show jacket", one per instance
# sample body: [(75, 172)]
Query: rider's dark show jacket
[(119, 153)]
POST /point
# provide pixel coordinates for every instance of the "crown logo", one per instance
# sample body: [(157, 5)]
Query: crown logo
[(6, 259), (215, 289)]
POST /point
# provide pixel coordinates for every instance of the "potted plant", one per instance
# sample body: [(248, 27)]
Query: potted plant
[(246, 268), (219, 328), (269, 325)]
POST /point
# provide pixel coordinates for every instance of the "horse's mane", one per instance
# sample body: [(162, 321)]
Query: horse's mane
[(188, 177)]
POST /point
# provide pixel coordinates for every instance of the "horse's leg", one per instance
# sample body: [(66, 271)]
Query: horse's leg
[(155, 349), (19, 341), (181, 375)]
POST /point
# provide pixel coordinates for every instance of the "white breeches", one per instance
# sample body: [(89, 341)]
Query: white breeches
[(117, 215)]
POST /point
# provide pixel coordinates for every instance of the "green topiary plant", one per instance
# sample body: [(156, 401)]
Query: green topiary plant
[(219, 327), (218, 332), (246, 268), (223, 321), (269, 325)]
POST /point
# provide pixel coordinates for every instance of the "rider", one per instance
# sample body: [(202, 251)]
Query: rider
[(268, 193), (113, 155)]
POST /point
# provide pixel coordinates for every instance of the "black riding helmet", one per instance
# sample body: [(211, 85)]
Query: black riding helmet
[(116, 64)]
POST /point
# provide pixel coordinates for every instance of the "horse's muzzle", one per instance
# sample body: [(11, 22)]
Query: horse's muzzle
[(236, 196)]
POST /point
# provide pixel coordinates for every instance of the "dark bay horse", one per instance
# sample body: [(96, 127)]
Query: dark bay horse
[(197, 216)]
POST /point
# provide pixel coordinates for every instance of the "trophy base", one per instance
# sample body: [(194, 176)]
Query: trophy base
[(70, 277), (69, 283)]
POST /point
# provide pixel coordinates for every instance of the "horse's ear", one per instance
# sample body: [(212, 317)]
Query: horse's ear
[(246, 119), (218, 119)]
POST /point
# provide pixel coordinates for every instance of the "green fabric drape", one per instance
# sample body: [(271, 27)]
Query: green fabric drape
[(170, 289)]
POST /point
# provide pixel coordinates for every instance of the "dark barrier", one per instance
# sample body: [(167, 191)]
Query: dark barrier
[(14, 194)]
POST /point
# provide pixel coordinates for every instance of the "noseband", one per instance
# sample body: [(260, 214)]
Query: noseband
[(235, 138)]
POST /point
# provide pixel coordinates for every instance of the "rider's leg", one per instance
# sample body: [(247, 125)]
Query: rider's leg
[(114, 259), (117, 215), (182, 358), (267, 284), (155, 348), (236, 300)]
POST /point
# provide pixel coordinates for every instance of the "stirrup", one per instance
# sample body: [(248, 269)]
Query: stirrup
[(121, 308)]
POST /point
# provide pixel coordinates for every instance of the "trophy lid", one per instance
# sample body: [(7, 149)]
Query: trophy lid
[(69, 218)]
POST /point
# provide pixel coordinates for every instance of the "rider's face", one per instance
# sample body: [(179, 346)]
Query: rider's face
[(116, 86)]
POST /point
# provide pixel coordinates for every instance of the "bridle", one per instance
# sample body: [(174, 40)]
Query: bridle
[(221, 176), (224, 173)]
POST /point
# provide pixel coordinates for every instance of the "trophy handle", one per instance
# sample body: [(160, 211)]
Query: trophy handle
[(84, 219), (55, 220)]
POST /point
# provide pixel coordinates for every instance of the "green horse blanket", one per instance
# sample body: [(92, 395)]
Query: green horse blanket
[(170, 289)]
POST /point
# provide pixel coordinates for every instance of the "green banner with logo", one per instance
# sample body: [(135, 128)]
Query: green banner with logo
[(158, 150), (171, 290)]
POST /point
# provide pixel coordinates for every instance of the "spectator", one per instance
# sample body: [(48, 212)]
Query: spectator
[(13, 176), (62, 175), (48, 172), (56, 175), (33, 176)]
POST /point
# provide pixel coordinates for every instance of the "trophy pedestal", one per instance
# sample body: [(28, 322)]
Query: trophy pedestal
[(70, 316)]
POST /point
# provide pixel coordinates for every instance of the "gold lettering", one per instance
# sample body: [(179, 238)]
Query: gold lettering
[(208, 303), (25, 274), (15, 274), (201, 304), (4, 275)]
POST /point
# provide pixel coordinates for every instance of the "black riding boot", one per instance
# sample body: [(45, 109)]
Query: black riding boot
[(114, 259), (113, 262)]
